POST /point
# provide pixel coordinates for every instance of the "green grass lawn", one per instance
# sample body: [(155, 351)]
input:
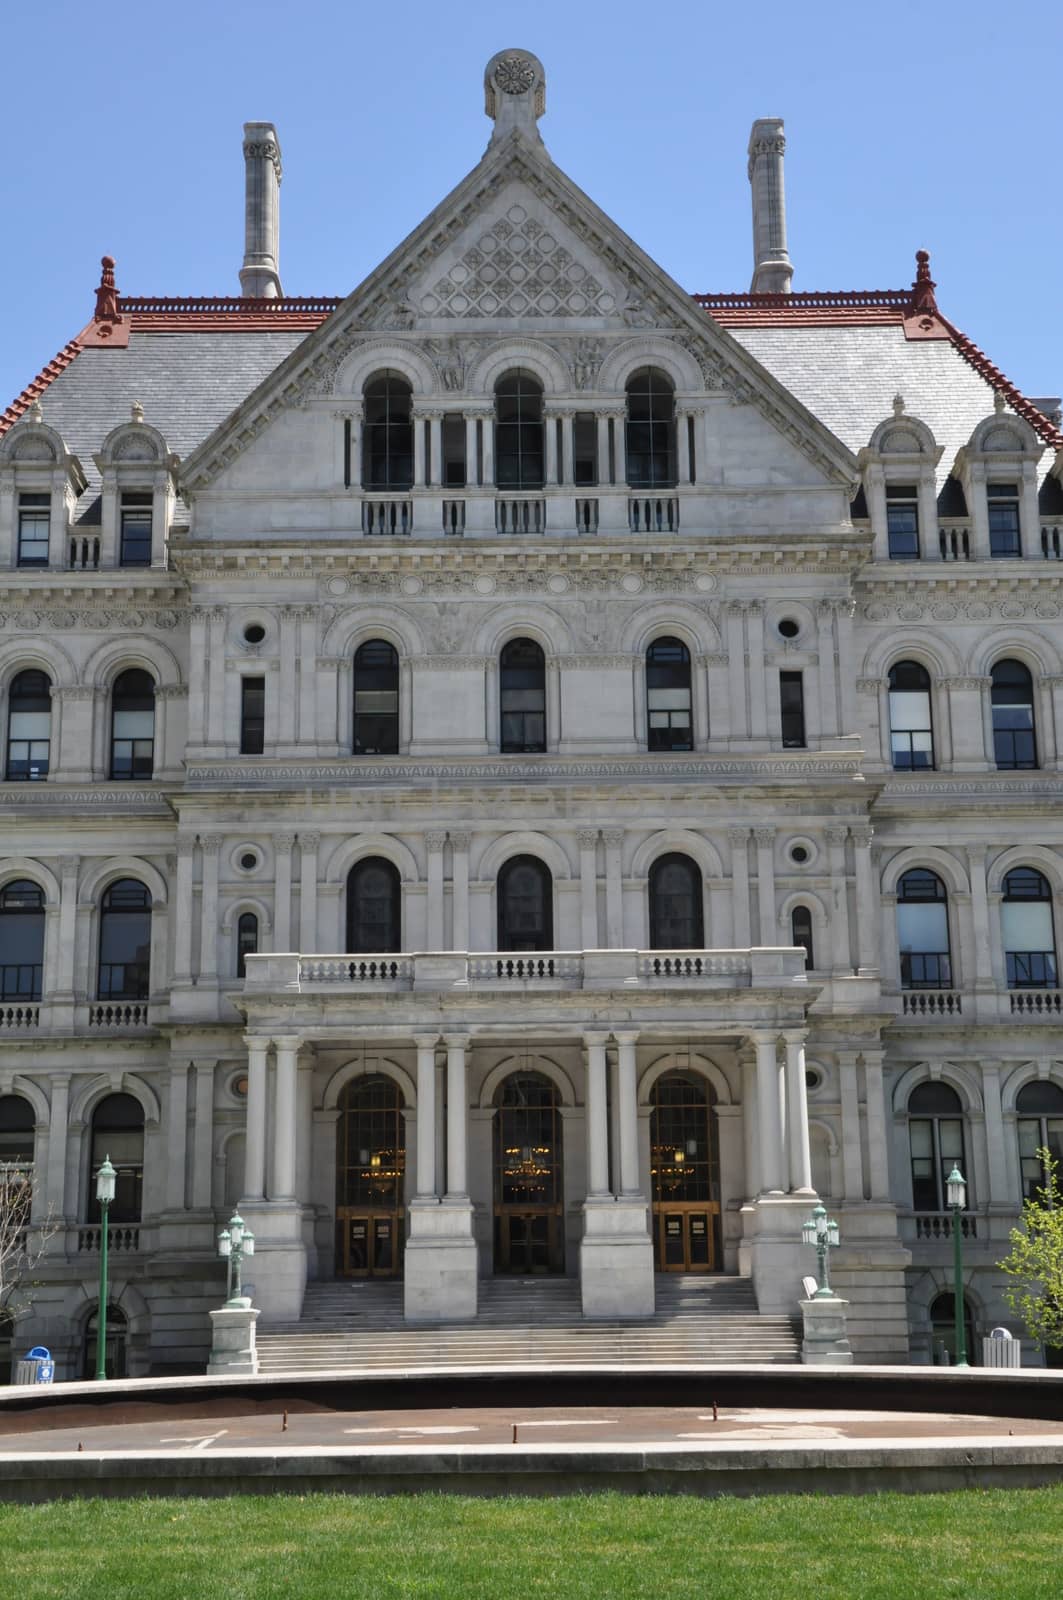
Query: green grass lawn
[(992, 1545)]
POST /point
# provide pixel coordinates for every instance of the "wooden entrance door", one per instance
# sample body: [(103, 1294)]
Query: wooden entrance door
[(370, 1177), (685, 1167), (686, 1238), (370, 1243), (528, 1243)]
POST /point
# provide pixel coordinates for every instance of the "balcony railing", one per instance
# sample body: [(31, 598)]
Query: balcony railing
[(931, 1003), (939, 1225), (1036, 1002), (118, 1015), (122, 1239), (19, 1018)]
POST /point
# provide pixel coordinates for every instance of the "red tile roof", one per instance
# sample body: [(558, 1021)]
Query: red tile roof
[(36, 387)]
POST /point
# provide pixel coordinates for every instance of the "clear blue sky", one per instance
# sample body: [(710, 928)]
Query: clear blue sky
[(910, 125)]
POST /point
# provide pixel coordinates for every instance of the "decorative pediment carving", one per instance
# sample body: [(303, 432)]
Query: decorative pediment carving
[(516, 267)]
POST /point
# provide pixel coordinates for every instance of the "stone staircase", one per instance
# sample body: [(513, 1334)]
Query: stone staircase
[(707, 1320)]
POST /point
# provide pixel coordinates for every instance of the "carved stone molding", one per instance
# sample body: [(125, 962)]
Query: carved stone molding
[(587, 838), (434, 842)]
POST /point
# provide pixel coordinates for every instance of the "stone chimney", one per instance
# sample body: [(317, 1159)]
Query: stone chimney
[(772, 268), (260, 273)]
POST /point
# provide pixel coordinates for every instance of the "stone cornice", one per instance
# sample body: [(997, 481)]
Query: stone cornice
[(102, 797), (649, 769)]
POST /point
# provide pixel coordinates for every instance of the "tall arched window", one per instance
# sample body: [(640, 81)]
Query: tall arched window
[(685, 1174), (668, 713), (1029, 935), (923, 931), (374, 908), (116, 1354), (133, 725), (376, 699), (125, 942), (387, 433), (525, 905), (801, 933), (29, 725), (1040, 1108), (522, 702), (21, 940), (370, 1177), (911, 723), (246, 941), (1011, 694), (529, 1176), (118, 1132), (677, 919), (518, 432), (650, 433), (17, 1134), (935, 1135)]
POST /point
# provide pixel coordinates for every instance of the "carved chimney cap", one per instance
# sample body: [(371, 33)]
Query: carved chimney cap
[(136, 411), (106, 293), (514, 92), (924, 285)]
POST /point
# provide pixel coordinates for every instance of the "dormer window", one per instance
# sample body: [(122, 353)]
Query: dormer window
[(34, 519), (902, 521), (135, 529), (1003, 504)]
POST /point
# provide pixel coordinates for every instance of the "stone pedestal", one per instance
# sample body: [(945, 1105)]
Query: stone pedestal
[(825, 1339), (277, 1271), (616, 1259), (232, 1347), (440, 1264), (772, 1247)]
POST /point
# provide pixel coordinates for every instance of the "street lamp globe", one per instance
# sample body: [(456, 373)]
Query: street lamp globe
[(957, 1188), (105, 1182)]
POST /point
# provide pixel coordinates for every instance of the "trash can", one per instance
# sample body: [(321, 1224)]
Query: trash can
[(1001, 1349), (36, 1366)]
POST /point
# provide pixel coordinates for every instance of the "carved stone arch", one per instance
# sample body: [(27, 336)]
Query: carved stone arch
[(84, 1102), (904, 435), (953, 1073), (680, 841), (534, 1062), (649, 350), (381, 1066), (523, 843), (1020, 1076), (25, 1089), (356, 624), (349, 852), (938, 655), (134, 443), (45, 655), (124, 1294), (1040, 856), (928, 1286), (33, 442), (235, 910), (692, 1061), (813, 902), (15, 867), (366, 360), (99, 874), (670, 617), (117, 655), (506, 355), (824, 1127), (1004, 433), (515, 619), (1032, 646), (947, 866)]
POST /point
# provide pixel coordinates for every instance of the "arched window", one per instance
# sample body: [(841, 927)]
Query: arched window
[(525, 905), (650, 434), (133, 725), (801, 933), (125, 942), (943, 1330), (677, 919), (29, 725), (246, 941), (1011, 694), (374, 908), (387, 433), (685, 1174), (21, 940), (518, 432), (522, 687), (376, 699), (529, 1176), (668, 715), (118, 1132), (911, 724), (370, 1177), (935, 1136), (1040, 1108), (116, 1354), (1026, 924), (17, 1135), (923, 931)]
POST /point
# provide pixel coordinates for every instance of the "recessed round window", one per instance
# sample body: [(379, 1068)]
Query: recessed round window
[(813, 1078), (238, 1086), (249, 861), (254, 633), (799, 854), (789, 627)]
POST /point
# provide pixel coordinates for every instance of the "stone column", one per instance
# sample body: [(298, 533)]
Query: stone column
[(553, 702), (587, 838), (471, 476), (435, 446), (797, 1108), (55, 1179), (828, 693), (739, 838), (488, 420), (216, 677), (867, 907), (765, 838), (682, 439), (614, 893), (285, 723), (459, 846), (203, 1137), (770, 1131), (210, 845), (418, 450), (183, 913), (441, 1256), (603, 448), (734, 621), (852, 1155), (284, 1120), (308, 847), (597, 1118), (68, 909), (616, 1252), (983, 957), (877, 1150), (627, 1096), (255, 1160), (750, 1127), (434, 843), (426, 1118), (567, 461), (304, 1141), (176, 1136), (457, 1117), (841, 954), (758, 692), (1000, 1194), (282, 893), (550, 434)]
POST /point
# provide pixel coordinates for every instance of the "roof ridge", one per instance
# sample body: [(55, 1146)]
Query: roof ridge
[(249, 305), (36, 387), (899, 298)]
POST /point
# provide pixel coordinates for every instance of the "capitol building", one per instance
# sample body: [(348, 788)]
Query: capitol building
[(526, 770)]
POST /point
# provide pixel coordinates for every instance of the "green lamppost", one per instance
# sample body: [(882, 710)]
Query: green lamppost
[(957, 1187), (234, 1243), (821, 1231), (105, 1181)]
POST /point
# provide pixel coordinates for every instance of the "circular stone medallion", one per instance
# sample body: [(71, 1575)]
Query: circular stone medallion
[(631, 583), (485, 584)]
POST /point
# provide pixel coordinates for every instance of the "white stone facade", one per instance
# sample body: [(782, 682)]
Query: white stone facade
[(755, 551)]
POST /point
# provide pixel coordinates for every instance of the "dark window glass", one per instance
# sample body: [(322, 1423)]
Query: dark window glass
[(1040, 1108), (133, 725), (29, 726), (118, 1132), (388, 433), (525, 905), (454, 469), (1028, 932), (650, 431), (668, 713), (923, 931), (125, 942), (135, 531), (370, 1144), (376, 699), (246, 941), (676, 909), (374, 902), (1003, 505), (684, 1161), (801, 932), (34, 518), (902, 521), (911, 726), (528, 1165), (21, 941), (518, 432), (115, 1355), (252, 716), (792, 709), (943, 1330), (522, 689), (585, 449), (935, 1134), (17, 1136), (1014, 744)]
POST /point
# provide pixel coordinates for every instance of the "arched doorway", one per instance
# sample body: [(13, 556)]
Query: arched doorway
[(370, 1179), (685, 1174), (116, 1345), (943, 1331), (528, 1183)]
